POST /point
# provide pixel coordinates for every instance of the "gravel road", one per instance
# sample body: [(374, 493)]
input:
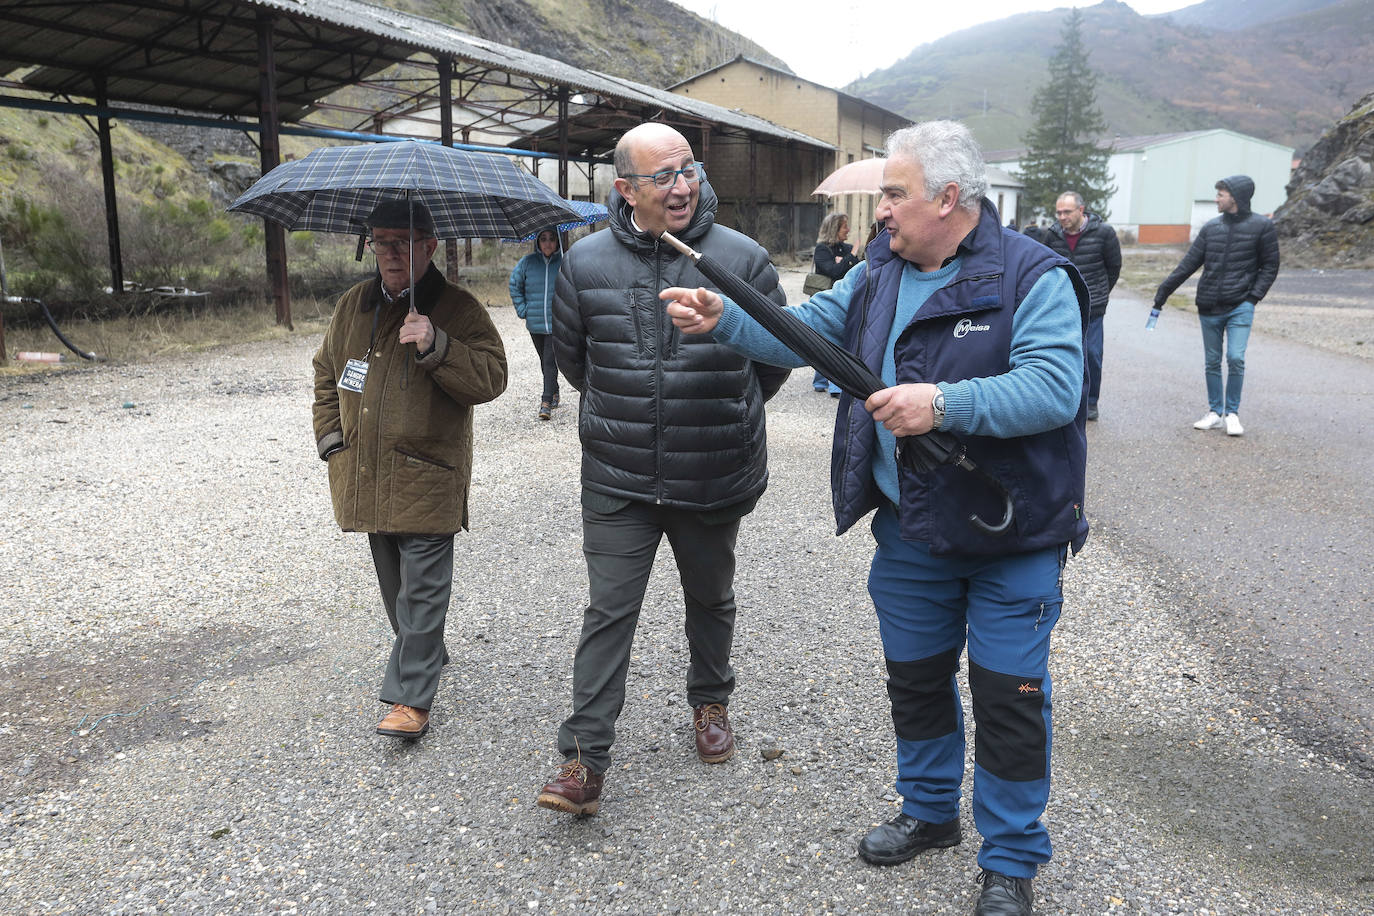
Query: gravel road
[(190, 654)]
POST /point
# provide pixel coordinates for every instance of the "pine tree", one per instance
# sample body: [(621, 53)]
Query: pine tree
[(1061, 148)]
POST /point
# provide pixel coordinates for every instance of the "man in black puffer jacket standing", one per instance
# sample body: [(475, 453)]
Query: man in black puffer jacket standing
[(1238, 252), (673, 444), (1092, 245)]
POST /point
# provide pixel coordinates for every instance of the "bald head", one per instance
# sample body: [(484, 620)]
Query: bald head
[(650, 132), (649, 149)]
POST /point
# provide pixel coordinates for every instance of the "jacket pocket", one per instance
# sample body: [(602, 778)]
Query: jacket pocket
[(408, 456)]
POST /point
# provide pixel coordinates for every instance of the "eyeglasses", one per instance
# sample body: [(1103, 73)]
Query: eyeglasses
[(389, 246), (668, 177)]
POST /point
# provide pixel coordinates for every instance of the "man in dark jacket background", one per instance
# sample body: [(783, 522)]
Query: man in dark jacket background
[(1238, 252), (673, 444), (1092, 245)]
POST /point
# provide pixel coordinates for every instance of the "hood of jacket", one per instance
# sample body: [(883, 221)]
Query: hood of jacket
[(1242, 188), (703, 218)]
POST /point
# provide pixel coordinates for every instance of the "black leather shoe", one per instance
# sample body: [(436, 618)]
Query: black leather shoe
[(1003, 896), (904, 836)]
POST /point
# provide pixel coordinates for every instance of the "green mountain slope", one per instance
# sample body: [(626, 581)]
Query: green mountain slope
[(1284, 80)]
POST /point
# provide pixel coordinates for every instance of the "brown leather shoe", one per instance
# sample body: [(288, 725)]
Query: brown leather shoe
[(576, 789), (404, 722), (715, 741)]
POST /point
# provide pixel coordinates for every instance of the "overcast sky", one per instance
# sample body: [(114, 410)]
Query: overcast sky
[(836, 42)]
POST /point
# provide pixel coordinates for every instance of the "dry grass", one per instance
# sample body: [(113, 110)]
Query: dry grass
[(1143, 268), (175, 332)]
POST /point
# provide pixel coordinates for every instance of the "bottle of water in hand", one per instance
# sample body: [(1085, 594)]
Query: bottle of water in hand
[(1154, 318)]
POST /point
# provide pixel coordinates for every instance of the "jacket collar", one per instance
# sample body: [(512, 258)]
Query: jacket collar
[(1091, 221), (426, 292), (980, 250)]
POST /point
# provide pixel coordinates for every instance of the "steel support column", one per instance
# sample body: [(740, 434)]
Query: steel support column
[(108, 178), (467, 243), (563, 142), (269, 120), (446, 137)]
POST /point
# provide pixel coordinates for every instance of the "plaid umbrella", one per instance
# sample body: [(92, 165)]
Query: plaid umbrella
[(469, 194), (921, 454), (590, 213)]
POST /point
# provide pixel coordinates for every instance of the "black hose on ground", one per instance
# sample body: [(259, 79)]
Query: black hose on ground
[(52, 323)]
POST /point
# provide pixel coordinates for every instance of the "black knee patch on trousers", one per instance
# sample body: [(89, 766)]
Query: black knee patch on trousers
[(1010, 716), (924, 703)]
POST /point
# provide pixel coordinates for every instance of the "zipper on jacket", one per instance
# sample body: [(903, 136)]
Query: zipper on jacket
[(658, 382), (547, 304), (849, 415)]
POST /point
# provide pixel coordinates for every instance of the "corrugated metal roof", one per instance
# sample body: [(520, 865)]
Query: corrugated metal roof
[(202, 55)]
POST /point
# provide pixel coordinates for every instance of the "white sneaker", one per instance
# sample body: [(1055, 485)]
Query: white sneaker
[(1233, 427), (1211, 421)]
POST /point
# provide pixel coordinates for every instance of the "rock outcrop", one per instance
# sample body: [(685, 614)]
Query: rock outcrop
[(1328, 219)]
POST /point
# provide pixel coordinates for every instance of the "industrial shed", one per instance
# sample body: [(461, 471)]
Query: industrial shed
[(1165, 183), (269, 66)]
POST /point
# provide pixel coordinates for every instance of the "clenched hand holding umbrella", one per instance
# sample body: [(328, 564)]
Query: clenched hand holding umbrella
[(920, 454)]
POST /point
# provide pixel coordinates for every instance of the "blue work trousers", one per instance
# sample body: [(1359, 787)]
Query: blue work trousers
[(1003, 608)]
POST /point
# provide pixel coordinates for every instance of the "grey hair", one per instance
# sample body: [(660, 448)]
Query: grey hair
[(624, 163), (947, 154), (829, 232), (1077, 198)]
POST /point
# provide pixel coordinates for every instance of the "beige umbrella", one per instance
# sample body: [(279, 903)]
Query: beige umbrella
[(863, 176)]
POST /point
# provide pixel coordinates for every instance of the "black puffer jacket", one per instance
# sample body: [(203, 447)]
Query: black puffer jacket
[(664, 418), (1097, 257), (1238, 253)]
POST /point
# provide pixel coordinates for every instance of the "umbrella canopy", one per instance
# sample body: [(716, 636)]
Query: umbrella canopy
[(469, 194), (590, 213), (862, 176), (921, 454)]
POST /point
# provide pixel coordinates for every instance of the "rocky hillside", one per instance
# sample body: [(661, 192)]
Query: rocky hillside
[(1281, 79), (651, 41), (1328, 220)]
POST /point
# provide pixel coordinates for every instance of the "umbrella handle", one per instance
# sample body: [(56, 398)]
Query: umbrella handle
[(680, 246), (1008, 510)]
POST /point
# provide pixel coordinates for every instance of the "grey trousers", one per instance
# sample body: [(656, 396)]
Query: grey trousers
[(415, 573), (620, 548)]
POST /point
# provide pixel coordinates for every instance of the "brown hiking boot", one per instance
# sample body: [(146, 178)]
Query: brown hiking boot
[(715, 741), (576, 789)]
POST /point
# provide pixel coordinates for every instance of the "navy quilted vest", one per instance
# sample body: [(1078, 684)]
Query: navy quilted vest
[(963, 331)]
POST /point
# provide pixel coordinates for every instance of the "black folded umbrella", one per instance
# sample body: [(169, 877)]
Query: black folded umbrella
[(921, 454)]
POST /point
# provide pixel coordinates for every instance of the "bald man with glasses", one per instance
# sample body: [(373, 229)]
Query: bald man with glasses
[(673, 444)]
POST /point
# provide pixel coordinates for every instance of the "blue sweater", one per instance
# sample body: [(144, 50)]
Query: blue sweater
[(1041, 391)]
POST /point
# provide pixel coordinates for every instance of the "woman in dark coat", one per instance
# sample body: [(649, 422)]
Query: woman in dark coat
[(833, 258)]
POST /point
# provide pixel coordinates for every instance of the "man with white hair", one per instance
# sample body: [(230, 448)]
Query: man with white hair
[(978, 331)]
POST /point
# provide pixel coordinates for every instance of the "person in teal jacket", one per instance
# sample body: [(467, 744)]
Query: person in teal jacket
[(531, 291)]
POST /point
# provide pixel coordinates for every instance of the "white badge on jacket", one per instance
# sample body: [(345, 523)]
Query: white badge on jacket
[(354, 376)]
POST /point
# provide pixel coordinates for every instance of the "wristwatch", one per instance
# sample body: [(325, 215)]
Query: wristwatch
[(937, 408)]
